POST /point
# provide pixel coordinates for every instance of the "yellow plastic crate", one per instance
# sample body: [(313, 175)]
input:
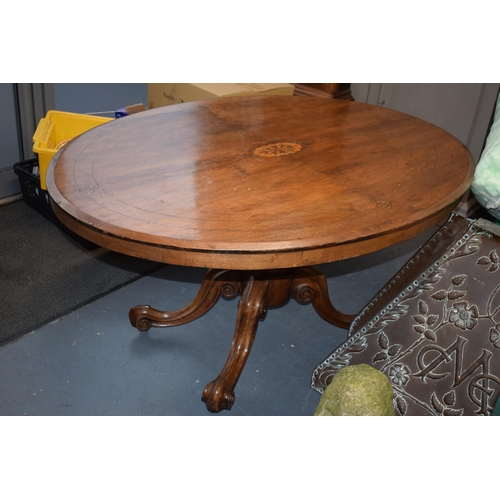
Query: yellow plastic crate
[(56, 130)]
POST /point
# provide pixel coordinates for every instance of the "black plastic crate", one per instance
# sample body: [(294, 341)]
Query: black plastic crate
[(39, 199)]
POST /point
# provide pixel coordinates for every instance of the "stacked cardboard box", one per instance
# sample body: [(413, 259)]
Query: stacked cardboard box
[(164, 94)]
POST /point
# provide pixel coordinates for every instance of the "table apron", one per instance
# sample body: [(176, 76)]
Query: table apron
[(245, 260)]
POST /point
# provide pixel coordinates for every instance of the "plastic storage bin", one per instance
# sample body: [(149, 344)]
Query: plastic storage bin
[(39, 199), (56, 130)]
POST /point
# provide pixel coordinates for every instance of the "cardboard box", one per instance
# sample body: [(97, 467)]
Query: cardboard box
[(164, 94)]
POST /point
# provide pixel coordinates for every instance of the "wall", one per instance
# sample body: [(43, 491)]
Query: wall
[(462, 109), (98, 97)]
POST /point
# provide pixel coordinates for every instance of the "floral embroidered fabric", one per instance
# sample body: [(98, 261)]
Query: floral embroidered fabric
[(434, 329)]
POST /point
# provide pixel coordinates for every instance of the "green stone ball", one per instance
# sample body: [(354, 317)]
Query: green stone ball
[(357, 390)]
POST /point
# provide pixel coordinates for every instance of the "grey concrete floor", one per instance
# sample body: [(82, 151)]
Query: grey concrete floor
[(93, 362)]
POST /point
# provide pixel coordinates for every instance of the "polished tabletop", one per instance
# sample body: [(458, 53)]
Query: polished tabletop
[(261, 182)]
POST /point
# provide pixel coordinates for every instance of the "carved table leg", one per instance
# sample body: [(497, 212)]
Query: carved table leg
[(310, 285), (217, 282), (219, 394), (260, 290)]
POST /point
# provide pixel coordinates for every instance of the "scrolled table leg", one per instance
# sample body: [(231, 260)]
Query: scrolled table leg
[(219, 394), (310, 286), (260, 290), (216, 282)]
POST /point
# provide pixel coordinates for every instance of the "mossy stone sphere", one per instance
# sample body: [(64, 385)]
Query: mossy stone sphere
[(357, 390)]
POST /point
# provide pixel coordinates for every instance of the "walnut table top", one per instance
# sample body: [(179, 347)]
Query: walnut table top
[(258, 182)]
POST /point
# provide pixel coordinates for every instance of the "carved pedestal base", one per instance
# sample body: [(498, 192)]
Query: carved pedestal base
[(259, 291)]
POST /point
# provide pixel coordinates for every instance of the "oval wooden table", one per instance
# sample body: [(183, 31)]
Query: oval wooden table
[(257, 189)]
